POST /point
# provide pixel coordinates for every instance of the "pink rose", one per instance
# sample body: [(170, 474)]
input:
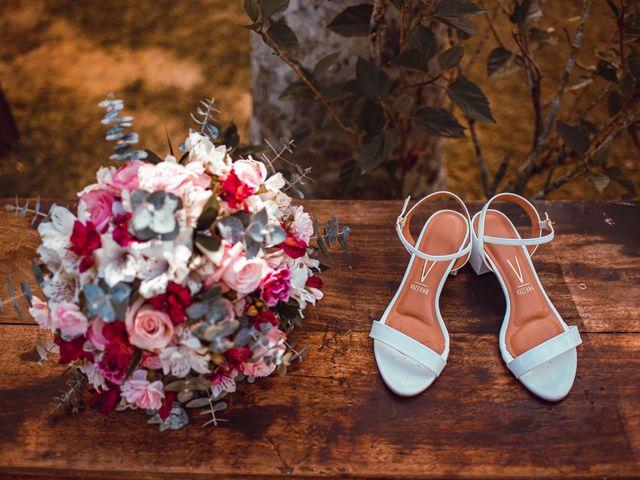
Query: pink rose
[(170, 176), (99, 205), (241, 274), (126, 177), (95, 334), (68, 318), (250, 173), (276, 286), (40, 312), (142, 393), (148, 328), (260, 368)]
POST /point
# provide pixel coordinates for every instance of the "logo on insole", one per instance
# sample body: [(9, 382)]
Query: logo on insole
[(523, 287), (420, 286)]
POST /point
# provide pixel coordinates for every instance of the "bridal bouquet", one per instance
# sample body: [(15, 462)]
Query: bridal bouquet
[(176, 278)]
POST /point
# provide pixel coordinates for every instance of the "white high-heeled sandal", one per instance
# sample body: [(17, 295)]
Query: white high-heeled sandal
[(538, 347), (411, 341)]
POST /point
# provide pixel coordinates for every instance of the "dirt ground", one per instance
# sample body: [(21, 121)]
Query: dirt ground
[(59, 58)]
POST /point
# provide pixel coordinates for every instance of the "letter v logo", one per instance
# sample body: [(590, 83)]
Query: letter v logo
[(517, 272), (426, 271)]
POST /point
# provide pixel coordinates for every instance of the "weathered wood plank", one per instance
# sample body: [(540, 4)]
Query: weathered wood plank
[(332, 416), (595, 258)]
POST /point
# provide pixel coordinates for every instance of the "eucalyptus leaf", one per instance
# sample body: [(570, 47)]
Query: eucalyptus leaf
[(231, 228)]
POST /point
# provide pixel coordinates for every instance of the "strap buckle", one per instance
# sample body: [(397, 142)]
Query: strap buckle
[(400, 221), (546, 223)]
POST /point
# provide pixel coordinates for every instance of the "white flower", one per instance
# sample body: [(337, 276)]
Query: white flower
[(94, 376), (300, 271), (160, 269), (302, 225), (222, 383), (56, 233), (181, 359), (63, 286), (214, 159), (116, 263)]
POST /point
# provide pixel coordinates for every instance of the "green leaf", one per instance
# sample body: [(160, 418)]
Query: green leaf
[(352, 21), (618, 176), (374, 82), (371, 119), (526, 13), (133, 363), (283, 36), (455, 12), (324, 64), (403, 102), (378, 149), (206, 242), (601, 155), (599, 181), (412, 59), (271, 7), (606, 70), (209, 213), (253, 9), (424, 40), (297, 89), (451, 57), (152, 157), (469, 98), (501, 62), (573, 137), (438, 121)]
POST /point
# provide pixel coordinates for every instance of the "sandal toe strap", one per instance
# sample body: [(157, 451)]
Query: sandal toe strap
[(544, 352), (407, 346)]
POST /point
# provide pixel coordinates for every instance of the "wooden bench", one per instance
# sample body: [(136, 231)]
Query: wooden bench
[(332, 416)]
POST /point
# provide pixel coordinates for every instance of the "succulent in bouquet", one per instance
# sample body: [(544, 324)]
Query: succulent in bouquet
[(176, 278)]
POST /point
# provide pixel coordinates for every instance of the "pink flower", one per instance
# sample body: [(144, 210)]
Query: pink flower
[(68, 318), (126, 177), (234, 191), (142, 393), (251, 173), (276, 286), (302, 225), (241, 274), (99, 204), (148, 328), (170, 176), (40, 312), (95, 334), (261, 368)]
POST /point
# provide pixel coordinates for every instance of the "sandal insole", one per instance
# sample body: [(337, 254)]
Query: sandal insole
[(531, 319), (414, 311)]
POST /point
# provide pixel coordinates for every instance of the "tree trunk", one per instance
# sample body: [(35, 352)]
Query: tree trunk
[(279, 119)]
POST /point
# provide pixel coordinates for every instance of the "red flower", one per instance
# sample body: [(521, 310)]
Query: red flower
[(121, 231), (293, 247), (315, 282), (173, 302), (276, 286), (234, 191), (266, 316), (84, 240), (238, 355), (167, 404), (105, 401), (117, 354), (72, 350)]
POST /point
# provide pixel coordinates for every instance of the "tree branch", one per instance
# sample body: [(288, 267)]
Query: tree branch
[(374, 29), (297, 69), (484, 175)]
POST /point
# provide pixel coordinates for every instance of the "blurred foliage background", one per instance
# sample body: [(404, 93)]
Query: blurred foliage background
[(59, 58)]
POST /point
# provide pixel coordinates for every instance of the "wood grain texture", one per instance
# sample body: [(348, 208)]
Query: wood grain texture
[(332, 415)]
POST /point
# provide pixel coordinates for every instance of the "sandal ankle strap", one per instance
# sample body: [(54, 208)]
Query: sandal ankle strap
[(403, 229), (537, 225)]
